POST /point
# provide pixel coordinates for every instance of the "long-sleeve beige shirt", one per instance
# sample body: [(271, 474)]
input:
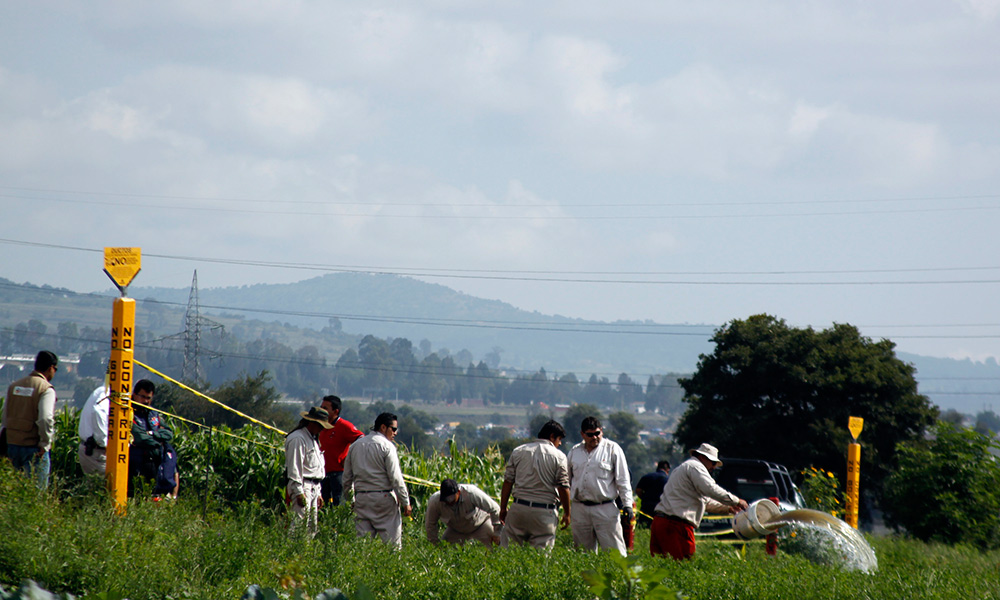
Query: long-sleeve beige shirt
[(536, 469), (473, 509), (372, 465), (599, 475), (303, 460), (690, 490)]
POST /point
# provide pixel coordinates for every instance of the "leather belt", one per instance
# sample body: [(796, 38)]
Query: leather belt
[(313, 479), (592, 503), (664, 515), (536, 504)]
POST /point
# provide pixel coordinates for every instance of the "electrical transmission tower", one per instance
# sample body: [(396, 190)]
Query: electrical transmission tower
[(193, 324)]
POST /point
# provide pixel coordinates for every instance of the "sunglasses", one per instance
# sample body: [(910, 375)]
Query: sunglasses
[(592, 433)]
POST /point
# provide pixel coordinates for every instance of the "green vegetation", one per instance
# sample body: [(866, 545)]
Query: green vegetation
[(228, 531), (70, 540), (947, 489), (822, 491)]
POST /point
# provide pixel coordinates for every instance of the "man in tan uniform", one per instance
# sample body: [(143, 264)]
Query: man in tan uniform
[(28, 419), (538, 475), (372, 470), (467, 511)]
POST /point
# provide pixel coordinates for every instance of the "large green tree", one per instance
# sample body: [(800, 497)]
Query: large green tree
[(781, 393)]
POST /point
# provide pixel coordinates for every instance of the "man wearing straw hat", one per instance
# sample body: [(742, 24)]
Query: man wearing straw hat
[(689, 493), (304, 467)]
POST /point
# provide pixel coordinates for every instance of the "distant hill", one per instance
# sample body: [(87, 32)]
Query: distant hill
[(395, 306), (964, 385), (391, 306)]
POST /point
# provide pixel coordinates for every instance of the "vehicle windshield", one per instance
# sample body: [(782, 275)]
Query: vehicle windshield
[(752, 489)]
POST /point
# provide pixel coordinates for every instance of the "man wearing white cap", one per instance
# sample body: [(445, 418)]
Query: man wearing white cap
[(689, 493)]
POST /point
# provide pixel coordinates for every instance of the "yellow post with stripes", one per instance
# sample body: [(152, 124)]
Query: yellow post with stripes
[(120, 370), (854, 424), (121, 265)]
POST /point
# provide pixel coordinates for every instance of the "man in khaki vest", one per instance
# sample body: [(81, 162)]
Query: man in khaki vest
[(28, 418)]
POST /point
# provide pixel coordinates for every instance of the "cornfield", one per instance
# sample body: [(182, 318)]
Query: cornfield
[(231, 466)]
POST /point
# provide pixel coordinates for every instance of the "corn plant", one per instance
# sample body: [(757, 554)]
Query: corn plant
[(232, 466), (482, 470)]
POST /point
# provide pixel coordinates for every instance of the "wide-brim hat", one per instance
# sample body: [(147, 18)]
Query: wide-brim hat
[(318, 415), (708, 451)]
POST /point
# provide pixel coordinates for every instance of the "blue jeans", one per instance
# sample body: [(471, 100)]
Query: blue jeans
[(25, 459), (333, 487)]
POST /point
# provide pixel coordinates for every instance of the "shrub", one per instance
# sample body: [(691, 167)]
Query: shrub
[(821, 491), (947, 489)]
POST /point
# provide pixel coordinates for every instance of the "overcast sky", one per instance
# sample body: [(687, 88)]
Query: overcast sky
[(684, 162)]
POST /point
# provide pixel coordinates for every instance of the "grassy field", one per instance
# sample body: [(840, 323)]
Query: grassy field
[(70, 540)]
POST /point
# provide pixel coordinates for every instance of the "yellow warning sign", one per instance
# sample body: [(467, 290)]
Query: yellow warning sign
[(122, 265), (854, 424)]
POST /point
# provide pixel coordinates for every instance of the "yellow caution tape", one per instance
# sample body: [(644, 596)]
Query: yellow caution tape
[(212, 400), (173, 416)]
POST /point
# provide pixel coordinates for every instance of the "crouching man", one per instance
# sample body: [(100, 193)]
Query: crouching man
[(468, 514)]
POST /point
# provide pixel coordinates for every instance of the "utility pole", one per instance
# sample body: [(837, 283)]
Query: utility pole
[(193, 322), (192, 334)]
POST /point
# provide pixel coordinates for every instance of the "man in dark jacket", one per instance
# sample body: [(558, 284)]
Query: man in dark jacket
[(649, 489), (151, 445)]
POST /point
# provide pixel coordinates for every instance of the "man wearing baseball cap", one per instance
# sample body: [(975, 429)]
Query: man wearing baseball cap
[(468, 514), (689, 493)]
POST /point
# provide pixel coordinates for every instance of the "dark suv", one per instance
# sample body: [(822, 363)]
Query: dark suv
[(755, 479)]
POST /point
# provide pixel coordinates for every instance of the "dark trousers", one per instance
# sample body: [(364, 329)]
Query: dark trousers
[(332, 487)]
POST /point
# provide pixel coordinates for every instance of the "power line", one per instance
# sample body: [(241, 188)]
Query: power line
[(244, 200), (414, 369), (173, 207), (508, 275), (542, 326), (417, 369)]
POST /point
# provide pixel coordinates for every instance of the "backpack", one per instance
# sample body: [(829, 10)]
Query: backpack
[(166, 472)]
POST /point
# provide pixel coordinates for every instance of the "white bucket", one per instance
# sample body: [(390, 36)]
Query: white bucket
[(754, 521)]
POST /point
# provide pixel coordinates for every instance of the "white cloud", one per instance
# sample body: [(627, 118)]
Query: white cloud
[(806, 120), (983, 9)]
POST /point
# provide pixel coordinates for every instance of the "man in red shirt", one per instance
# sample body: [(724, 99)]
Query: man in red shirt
[(334, 443)]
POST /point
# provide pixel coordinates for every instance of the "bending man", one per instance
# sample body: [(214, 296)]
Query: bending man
[(468, 514), (689, 492)]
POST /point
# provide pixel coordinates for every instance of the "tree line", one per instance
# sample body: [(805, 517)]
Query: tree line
[(390, 369)]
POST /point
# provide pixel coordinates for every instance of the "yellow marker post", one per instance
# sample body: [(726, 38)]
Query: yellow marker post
[(854, 424), (121, 265), (120, 406)]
